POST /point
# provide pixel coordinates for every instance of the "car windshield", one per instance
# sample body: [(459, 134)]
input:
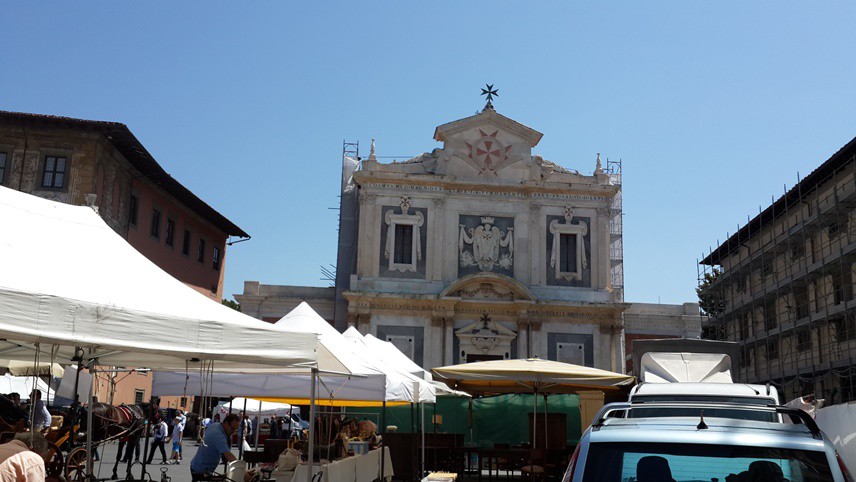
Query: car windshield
[(659, 462)]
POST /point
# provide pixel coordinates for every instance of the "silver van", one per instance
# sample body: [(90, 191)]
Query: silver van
[(705, 449)]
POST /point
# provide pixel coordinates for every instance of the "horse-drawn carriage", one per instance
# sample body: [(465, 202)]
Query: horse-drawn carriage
[(68, 455)]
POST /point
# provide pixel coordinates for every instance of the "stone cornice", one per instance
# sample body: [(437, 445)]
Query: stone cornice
[(433, 306), (377, 182)]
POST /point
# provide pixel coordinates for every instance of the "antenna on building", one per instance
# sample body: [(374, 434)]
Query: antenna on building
[(328, 273)]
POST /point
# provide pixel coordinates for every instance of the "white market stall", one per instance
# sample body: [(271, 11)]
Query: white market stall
[(72, 289), (347, 374)]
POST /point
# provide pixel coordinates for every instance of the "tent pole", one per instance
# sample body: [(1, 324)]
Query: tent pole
[(258, 424), (383, 442), (243, 432), (535, 420), (89, 461), (310, 451), (546, 441), (422, 419)]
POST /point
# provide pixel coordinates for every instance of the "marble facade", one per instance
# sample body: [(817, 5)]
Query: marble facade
[(480, 250)]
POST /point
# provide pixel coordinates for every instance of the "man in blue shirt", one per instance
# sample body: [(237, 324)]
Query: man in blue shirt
[(216, 444)]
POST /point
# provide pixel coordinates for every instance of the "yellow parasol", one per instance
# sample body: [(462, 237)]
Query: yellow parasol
[(528, 375), (531, 375)]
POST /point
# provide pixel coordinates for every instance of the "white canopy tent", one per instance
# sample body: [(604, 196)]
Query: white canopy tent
[(348, 375), (68, 280), (71, 289)]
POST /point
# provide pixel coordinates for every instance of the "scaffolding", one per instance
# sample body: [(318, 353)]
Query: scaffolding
[(616, 233), (782, 287)]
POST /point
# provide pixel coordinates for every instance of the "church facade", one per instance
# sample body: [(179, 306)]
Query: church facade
[(477, 250)]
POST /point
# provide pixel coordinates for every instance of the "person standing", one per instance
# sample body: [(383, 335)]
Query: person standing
[(42, 418), (159, 432), (176, 440), (215, 445), (22, 459)]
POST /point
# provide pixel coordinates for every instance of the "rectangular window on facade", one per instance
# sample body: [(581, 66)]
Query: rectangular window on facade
[(139, 396), (801, 301), (803, 339), (567, 253), (216, 261), (200, 255), (797, 250), (766, 270), (170, 232), (744, 326), (770, 322), (183, 401), (403, 244), (53, 175), (133, 208), (745, 356), (836, 228), (185, 243), (155, 229), (773, 349), (2, 167), (845, 328), (741, 284)]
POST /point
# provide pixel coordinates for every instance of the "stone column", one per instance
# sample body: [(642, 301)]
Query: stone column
[(366, 235), (523, 339)]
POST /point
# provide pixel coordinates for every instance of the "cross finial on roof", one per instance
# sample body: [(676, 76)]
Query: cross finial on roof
[(490, 92)]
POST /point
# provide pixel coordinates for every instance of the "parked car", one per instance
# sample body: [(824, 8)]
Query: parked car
[(704, 449)]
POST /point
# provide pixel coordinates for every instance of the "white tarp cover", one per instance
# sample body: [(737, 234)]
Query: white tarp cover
[(685, 367), (268, 409), (838, 422), (388, 353), (400, 385), (391, 355), (23, 386), (68, 279), (26, 368)]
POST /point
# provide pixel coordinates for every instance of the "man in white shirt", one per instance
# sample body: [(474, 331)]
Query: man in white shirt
[(42, 418)]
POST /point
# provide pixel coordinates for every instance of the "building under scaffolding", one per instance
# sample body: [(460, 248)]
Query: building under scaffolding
[(782, 286)]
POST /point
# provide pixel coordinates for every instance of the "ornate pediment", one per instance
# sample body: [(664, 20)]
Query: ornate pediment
[(488, 286), (485, 336)]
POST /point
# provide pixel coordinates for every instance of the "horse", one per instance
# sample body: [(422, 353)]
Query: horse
[(13, 417), (125, 422), (361, 429)]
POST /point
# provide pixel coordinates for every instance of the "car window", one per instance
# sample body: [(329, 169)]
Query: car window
[(733, 413), (636, 462), (704, 398)]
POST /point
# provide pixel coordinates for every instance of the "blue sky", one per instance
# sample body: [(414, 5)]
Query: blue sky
[(712, 106)]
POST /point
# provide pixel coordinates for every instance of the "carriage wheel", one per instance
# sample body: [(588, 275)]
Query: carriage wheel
[(55, 464), (75, 465)]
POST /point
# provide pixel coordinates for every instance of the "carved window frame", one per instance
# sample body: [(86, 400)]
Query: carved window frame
[(578, 229), (416, 221)]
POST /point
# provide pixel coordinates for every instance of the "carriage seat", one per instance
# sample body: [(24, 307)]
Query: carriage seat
[(56, 422)]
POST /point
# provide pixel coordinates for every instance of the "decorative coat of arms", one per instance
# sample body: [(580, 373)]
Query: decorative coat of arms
[(486, 246), (488, 154)]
